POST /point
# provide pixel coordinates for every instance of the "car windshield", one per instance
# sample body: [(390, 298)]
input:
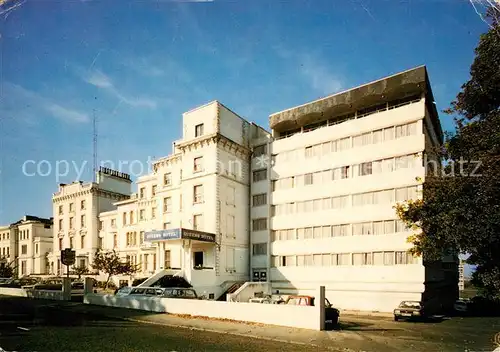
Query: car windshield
[(409, 304)]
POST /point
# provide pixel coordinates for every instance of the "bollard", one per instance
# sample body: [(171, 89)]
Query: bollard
[(66, 289), (320, 304)]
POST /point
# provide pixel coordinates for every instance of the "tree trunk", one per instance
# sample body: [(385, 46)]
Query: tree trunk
[(107, 282)]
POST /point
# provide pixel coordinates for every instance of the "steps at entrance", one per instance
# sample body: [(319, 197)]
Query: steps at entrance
[(232, 289)]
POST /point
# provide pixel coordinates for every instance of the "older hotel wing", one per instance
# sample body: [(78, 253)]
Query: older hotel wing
[(308, 204)]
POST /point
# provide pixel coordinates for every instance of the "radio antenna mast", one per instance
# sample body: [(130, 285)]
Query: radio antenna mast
[(94, 157)]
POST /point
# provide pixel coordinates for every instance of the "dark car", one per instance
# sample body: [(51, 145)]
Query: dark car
[(332, 314), (409, 309)]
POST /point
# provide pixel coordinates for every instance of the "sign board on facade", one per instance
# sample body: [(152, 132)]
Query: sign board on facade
[(177, 234), (68, 256)]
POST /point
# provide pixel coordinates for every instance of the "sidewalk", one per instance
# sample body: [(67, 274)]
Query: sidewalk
[(322, 340)]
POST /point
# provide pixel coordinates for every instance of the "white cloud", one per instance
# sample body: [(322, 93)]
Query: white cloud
[(66, 114), (101, 80), (25, 105)]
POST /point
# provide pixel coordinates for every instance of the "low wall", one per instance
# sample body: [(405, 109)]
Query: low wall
[(285, 315), (46, 294), (10, 291)]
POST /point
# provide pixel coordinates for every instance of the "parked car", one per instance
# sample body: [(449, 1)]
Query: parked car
[(265, 300), (461, 306), (124, 291), (332, 315), (170, 292), (410, 309)]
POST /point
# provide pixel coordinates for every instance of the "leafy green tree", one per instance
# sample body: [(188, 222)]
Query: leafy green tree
[(460, 209), (6, 270), (80, 270), (110, 264)]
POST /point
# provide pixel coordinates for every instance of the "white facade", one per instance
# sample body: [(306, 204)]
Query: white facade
[(335, 178), (76, 208), (310, 204), (26, 245)]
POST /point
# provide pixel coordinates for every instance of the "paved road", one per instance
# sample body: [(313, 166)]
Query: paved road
[(28, 325), (83, 328)]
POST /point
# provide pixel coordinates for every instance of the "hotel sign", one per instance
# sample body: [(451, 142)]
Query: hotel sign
[(177, 234), (162, 235)]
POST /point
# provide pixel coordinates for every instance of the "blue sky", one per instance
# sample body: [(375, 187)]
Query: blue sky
[(140, 64)]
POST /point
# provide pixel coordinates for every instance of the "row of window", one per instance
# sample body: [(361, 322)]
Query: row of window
[(83, 223), (71, 243), (83, 206), (382, 227), (5, 236), (24, 235), (342, 259), (368, 168), (388, 196), (5, 251)]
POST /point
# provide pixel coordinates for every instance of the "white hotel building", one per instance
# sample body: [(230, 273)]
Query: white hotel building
[(309, 204)]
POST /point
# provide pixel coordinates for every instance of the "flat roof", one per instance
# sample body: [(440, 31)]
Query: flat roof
[(401, 85)]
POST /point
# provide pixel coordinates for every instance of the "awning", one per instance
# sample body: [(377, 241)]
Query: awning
[(178, 234)]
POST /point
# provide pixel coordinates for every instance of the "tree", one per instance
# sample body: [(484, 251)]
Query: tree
[(460, 209), (6, 270), (80, 270), (111, 264)]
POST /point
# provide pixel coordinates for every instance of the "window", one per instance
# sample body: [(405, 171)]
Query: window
[(198, 259), (308, 179), (361, 258), (60, 224), (83, 221), (260, 150), (82, 205), (71, 222), (259, 248), (153, 213), (259, 224), (166, 225), (167, 179), (378, 136), (82, 242), (132, 217), (345, 171), (142, 193), (153, 190), (230, 226), (198, 130), (365, 169), (198, 194), (309, 152), (124, 218), (60, 244), (113, 223), (198, 164), (60, 210), (405, 258), (259, 175), (24, 249), (99, 243), (167, 204), (71, 207), (71, 243), (142, 214), (115, 240), (168, 261), (198, 222), (259, 199)]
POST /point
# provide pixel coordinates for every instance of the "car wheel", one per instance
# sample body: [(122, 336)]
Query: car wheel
[(396, 318)]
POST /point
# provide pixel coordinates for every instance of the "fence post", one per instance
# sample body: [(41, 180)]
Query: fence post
[(320, 304), (66, 289)]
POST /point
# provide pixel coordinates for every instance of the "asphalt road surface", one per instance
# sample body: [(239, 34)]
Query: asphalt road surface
[(26, 325), (38, 325)]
